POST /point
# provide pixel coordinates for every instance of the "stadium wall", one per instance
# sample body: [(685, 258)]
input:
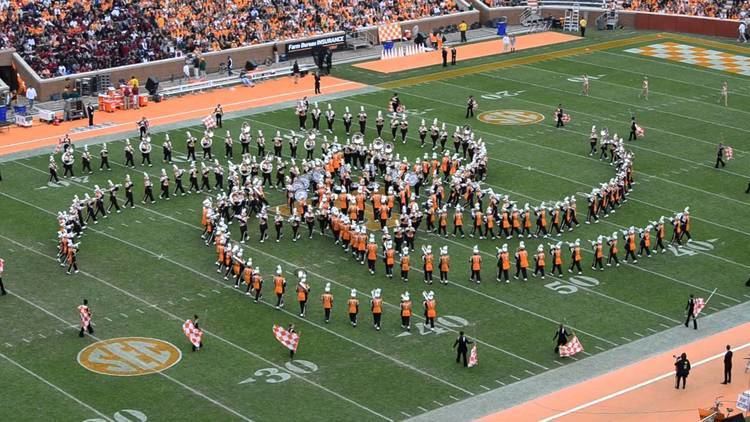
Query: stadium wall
[(679, 23)]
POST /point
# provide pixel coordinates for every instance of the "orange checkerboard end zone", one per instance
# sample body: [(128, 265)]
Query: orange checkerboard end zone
[(698, 56)]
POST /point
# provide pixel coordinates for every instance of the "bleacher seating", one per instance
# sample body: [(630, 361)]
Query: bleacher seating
[(60, 37)]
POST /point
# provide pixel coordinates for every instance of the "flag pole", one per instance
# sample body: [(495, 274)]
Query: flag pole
[(711, 295)]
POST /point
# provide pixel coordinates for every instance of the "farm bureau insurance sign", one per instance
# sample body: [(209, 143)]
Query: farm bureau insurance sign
[(129, 356), (317, 42), (511, 117)]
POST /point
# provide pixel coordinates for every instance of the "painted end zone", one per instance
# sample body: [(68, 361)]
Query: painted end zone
[(175, 109), (465, 52), (645, 390)]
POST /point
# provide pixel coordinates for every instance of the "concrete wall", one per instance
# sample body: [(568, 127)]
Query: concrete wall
[(678, 23)]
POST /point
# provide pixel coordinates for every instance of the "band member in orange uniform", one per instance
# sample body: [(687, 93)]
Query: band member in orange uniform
[(476, 266), (405, 311), (279, 287), (430, 309), (376, 306), (503, 264), (445, 264), (539, 261), (327, 299), (405, 264), (522, 262), (428, 263), (353, 307)]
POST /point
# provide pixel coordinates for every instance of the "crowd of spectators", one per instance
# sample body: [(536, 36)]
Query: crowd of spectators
[(737, 9), (60, 37)]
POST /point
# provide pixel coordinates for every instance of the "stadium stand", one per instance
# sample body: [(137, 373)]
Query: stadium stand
[(723, 9), (58, 38)]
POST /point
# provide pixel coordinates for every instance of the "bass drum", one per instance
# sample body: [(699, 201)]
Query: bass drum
[(300, 195)]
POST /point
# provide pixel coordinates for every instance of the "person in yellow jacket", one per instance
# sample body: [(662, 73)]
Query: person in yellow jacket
[(582, 24), (462, 28)]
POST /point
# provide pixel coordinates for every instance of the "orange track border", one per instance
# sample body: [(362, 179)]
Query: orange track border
[(465, 52), (648, 387), (172, 110)]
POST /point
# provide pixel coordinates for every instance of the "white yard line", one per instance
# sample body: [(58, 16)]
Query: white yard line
[(567, 153), (55, 387), (218, 337), (634, 387), (515, 377), (187, 387)]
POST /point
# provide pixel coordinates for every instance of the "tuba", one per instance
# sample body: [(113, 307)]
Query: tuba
[(358, 139), (388, 149), (377, 145)]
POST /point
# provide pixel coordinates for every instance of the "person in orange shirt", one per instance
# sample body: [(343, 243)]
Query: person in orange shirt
[(556, 254), (246, 275), (428, 263), (541, 221), (630, 245), (645, 241), (372, 253), (575, 256), (522, 261), (539, 262), (526, 222), (503, 264), (257, 285), (327, 299), (376, 306), (405, 311), (475, 262), (389, 258), (303, 290), (659, 235), (445, 264), (477, 220), (430, 309), (443, 222), (458, 221), (279, 287), (405, 264), (598, 254), (353, 307), (612, 243)]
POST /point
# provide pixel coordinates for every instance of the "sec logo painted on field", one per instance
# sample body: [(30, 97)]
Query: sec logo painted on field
[(129, 356), (511, 117)]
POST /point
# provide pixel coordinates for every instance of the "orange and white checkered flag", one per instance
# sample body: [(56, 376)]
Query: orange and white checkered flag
[(473, 357), (570, 348), (287, 339), (193, 333), (729, 152), (209, 122)]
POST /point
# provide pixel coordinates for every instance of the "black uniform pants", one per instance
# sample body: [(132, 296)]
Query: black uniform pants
[(461, 353), (695, 321), (679, 377), (727, 368), (719, 161)]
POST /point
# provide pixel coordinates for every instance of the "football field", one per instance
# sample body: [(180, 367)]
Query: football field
[(146, 270)]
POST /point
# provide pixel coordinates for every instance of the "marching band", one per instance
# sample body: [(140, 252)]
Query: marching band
[(355, 190)]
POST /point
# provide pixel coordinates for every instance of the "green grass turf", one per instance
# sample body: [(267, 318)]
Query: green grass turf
[(144, 271)]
